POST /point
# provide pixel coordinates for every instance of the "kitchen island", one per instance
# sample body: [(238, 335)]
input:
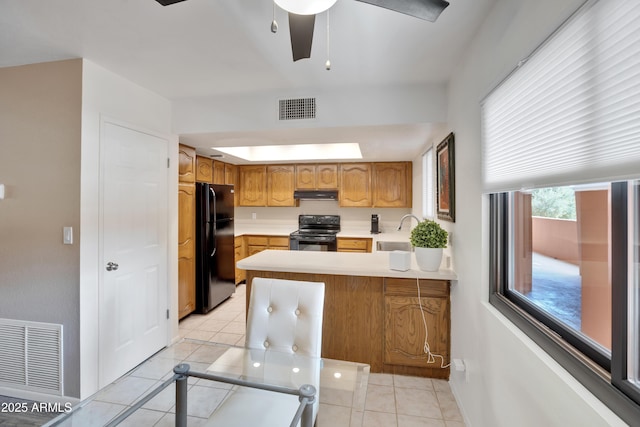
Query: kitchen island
[(372, 314)]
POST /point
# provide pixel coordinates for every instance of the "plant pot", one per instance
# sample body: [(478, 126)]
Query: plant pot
[(428, 259)]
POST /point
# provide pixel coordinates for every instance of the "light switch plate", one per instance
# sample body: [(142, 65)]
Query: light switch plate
[(67, 235)]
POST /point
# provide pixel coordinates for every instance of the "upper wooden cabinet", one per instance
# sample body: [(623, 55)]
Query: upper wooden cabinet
[(262, 185), (204, 169), (355, 185), (218, 172), (326, 176), (379, 185), (305, 177), (392, 185), (230, 174), (316, 177), (252, 182), (186, 164), (280, 185)]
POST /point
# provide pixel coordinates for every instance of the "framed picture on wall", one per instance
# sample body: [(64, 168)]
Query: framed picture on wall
[(445, 174)]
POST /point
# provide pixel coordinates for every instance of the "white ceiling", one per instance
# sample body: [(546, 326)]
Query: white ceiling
[(204, 48)]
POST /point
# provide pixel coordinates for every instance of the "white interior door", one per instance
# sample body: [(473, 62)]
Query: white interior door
[(133, 289)]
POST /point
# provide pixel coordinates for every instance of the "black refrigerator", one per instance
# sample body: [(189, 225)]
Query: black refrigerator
[(215, 256)]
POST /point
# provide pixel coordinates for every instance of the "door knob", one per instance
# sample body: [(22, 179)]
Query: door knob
[(112, 266)]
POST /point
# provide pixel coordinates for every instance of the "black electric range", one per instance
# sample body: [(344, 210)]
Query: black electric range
[(315, 233)]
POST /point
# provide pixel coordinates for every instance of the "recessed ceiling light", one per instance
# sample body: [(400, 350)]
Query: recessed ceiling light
[(270, 153)]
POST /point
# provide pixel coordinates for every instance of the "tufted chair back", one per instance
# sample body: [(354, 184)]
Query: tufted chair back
[(285, 319), (285, 316)]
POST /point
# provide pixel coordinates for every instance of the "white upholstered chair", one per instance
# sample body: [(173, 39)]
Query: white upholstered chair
[(285, 325), (285, 316)]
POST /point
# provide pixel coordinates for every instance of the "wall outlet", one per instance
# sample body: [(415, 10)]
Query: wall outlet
[(458, 365), (254, 215)]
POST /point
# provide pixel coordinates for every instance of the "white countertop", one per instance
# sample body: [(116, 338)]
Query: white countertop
[(374, 264), (273, 228)]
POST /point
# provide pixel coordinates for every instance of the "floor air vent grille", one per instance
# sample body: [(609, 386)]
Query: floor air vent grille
[(31, 356), (299, 108)]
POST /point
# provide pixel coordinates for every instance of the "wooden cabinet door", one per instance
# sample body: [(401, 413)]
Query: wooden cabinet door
[(230, 174), (204, 169), (326, 176), (305, 177), (404, 331), (186, 164), (355, 189), (252, 183), (186, 249), (239, 255), (392, 185), (279, 242), (255, 244), (346, 244), (218, 172), (280, 185)]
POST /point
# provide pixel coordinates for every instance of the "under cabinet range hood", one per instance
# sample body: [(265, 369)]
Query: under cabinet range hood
[(315, 194)]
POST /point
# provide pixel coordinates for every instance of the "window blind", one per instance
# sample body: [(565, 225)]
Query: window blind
[(571, 113)]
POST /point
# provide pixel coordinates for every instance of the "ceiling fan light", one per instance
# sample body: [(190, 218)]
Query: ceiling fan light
[(305, 7)]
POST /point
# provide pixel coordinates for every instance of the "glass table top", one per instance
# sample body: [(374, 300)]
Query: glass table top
[(340, 384)]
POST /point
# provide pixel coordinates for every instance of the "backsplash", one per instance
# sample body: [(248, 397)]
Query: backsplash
[(388, 216)]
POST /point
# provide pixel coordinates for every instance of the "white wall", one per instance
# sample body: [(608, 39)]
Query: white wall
[(40, 108), (509, 381), (335, 108), (105, 94)]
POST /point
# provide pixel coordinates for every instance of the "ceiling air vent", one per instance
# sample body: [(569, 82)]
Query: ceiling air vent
[(299, 108)]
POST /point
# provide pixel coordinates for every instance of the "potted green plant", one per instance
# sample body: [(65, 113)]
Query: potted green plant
[(428, 238)]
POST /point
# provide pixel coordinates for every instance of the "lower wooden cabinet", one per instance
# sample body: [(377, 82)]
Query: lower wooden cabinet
[(378, 321), (239, 253), (279, 243), (354, 244), (251, 244), (186, 249), (404, 327)]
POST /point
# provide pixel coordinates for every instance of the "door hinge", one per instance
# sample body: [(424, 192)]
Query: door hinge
[(167, 313), (168, 162)]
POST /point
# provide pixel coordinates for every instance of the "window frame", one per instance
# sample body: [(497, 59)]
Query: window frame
[(610, 386), (428, 187)]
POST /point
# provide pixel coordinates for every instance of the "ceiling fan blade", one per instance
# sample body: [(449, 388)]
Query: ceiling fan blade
[(301, 33), (168, 2), (429, 10)]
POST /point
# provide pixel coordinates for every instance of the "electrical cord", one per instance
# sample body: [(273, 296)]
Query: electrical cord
[(431, 357)]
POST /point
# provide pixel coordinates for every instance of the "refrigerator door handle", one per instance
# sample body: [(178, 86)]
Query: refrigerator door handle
[(207, 209), (213, 222)]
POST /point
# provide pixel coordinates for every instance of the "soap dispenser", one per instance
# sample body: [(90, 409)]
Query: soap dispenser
[(375, 224)]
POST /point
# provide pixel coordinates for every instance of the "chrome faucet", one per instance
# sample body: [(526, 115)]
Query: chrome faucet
[(405, 217)]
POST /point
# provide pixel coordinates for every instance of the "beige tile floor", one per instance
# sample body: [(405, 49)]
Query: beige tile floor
[(392, 400)]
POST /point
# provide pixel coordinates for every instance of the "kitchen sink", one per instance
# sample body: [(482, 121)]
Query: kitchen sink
[(393, 246)]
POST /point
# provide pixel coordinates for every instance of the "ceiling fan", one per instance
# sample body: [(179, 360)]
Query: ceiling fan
[(302, 16)]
